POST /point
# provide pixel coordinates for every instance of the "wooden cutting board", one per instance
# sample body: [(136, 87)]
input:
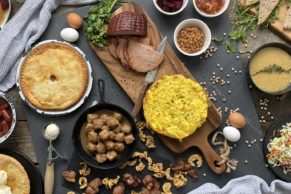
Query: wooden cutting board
[(132, 82), (278, 24)]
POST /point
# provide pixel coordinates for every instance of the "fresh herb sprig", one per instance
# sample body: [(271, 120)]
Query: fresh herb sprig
[(229, 46), (97, 18), (242, 22), (273, 69)]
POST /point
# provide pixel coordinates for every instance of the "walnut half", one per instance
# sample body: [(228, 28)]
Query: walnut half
[(69, 176)]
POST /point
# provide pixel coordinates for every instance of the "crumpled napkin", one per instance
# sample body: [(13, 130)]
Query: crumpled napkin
[(249, 184), (22, 31)]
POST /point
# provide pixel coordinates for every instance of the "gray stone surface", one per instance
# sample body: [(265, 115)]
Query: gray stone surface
[(202, 71)]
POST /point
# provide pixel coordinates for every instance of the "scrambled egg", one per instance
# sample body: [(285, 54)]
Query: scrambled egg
[(175, 106)]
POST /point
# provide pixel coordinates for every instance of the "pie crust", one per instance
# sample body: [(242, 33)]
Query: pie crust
[(54, 76), (18, 179)]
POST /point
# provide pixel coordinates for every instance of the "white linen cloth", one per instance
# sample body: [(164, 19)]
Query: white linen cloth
[(249, 184), (22, 31)]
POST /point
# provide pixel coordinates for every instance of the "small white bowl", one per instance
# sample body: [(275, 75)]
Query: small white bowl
[(202, 26), (221, 11), (185, 2), (13, 112)]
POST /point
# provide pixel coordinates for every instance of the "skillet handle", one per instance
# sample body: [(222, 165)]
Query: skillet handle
[(212, 158), (101, 90)]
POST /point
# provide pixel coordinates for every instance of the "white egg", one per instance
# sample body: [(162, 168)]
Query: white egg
[(69, 34), (231, 134)]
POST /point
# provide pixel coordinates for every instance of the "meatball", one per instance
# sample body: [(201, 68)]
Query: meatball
[(111, 155), (98, 123), (112, 135), (105, 127), (91, 147), (109, 145), (126, 129), (100, 148), (119, 137), (104, 135), (117, 129), (104, 118), (128, 139), (112, 122), (119, 147), (118, 116), (92, 136), (101, 158), (89, 127), (91, 117)]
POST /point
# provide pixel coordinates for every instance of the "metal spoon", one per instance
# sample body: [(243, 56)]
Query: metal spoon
[(50, 166)]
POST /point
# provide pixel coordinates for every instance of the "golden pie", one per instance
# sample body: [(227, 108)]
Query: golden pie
[(17, 178), (54, 76), (175, 106)]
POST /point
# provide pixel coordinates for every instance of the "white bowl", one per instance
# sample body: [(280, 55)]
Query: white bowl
[(202, 26), (13, 112), (185, 2), (221, 11)]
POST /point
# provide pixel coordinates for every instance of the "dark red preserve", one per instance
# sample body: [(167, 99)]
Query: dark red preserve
[(170, 5)]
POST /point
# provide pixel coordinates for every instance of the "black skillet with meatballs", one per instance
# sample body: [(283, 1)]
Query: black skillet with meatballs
[(104, 135)]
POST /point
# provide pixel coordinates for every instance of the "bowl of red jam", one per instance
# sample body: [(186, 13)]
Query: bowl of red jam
[(170, 7), (211, 8), (7, 117)]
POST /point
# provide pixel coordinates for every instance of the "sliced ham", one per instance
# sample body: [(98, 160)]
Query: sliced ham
[(113, 42), (142, 58), (122, 43), (146, 41)]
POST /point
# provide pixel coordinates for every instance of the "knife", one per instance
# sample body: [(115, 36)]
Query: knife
[(150, 78)]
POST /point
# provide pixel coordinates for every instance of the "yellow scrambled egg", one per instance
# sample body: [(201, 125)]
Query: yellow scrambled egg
[(175, 106)]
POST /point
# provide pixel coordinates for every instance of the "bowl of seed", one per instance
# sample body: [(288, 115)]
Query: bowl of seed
[(192, 37)]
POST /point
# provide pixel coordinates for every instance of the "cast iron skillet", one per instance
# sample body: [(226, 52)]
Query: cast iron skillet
[(278, 171), (273, 44), (36, 183), (103, 105)]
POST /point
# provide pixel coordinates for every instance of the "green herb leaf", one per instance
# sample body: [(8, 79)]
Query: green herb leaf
[(230, 47), (218, 41), (97, 18), (273, 69)]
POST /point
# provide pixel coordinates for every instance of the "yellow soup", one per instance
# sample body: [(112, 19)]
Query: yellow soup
[(270, 69)]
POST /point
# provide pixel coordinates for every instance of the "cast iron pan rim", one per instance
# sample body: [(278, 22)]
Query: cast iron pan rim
[(29, 161), (265, 150), (102, 105), (271, 44)]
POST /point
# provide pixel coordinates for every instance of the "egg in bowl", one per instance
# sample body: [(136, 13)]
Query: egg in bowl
[(175, 106)]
